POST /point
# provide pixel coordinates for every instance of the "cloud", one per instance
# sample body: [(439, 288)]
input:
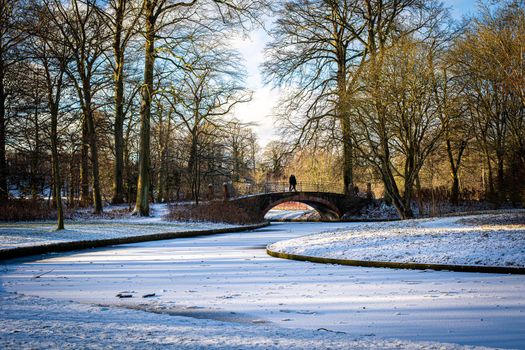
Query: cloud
[(259, 113), (259, 110)]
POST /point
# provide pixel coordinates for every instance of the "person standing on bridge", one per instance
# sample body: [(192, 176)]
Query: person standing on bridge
[(293, 183)]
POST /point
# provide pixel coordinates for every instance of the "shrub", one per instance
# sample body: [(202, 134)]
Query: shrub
[(26, 210), (215, 211), (87, 214)]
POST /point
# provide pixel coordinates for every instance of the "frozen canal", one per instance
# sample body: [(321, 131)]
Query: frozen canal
[(229, 277)]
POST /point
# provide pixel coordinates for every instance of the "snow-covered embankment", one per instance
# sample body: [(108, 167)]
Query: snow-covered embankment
[(488, 240)]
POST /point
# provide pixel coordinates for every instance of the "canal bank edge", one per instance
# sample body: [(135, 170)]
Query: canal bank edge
[(398, 265), (20, 252)]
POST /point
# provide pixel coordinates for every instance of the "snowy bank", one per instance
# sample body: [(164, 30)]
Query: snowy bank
[(89, 228), (36, 234), (489, 240)]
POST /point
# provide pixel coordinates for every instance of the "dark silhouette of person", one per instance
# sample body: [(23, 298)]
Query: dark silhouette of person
[(293, 183)]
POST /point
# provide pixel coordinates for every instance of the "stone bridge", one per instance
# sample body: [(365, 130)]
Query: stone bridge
[(330, 206)]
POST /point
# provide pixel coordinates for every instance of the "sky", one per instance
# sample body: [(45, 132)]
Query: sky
[(259, 110)]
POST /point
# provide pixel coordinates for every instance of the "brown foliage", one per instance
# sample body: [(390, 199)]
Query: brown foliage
[(502, 219), (215, 211), (35, 210), (26, 210)]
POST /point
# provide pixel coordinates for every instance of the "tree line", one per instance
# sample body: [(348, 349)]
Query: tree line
[(123, 94), (131, 100), (397, 87)]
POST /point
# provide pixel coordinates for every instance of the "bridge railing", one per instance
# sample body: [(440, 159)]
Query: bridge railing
[(242, 189)]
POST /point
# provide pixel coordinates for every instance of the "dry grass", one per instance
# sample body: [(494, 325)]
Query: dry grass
[(106, 215), (37, 210), (26, 210), (514, 219), (216, 211)]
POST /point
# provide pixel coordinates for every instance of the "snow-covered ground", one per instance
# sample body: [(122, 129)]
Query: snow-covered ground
[(25, 234), (254, 300), (37, 323), (158, 213), (484, 240)]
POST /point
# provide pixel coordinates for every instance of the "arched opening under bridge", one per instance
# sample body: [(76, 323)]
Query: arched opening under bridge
[(301, 208)]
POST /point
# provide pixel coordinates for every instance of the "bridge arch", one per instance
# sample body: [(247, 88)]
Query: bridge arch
[(330, 206), (326, 209)]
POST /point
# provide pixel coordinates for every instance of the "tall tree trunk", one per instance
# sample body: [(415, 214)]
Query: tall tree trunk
[(193, 164), (399, 202), (130, 181), (420, 204), (56, 169), (127, 175), (348, 175), (343, 113), (162, 195), (35, 158), (161, 184), (454, 170), (72, 181), (197, 182), (407, 200), (118, 187), (161, 154), (84, 165), (118, 76), (501, 178), (97, 197), (454, 194), (491, 195), (3, 163), (395, 198), (143, 183), (86, 94)]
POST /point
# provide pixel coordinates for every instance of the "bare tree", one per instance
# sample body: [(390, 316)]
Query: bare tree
[(240, 144), (84, 32), (123, 18), (397, 118), (53, 57), (157, 13), (11, 36), (318, 50), (488, 58), (164, 133), (208, 88), (27, 128), (453, 110), (275, 158)]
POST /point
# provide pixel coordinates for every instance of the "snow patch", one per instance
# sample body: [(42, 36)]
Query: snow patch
[(431, 241), (30, 322)]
